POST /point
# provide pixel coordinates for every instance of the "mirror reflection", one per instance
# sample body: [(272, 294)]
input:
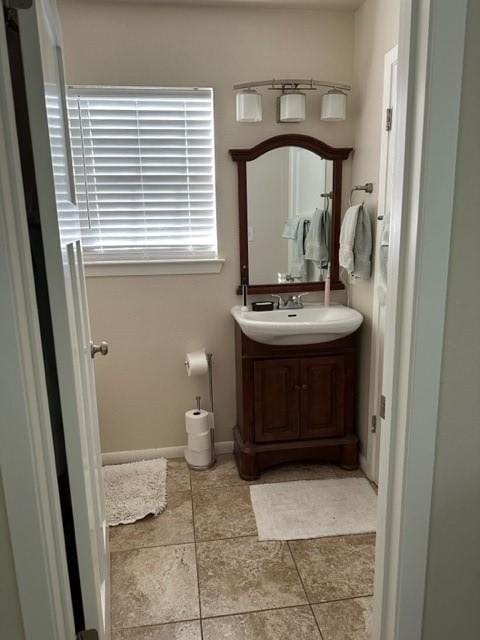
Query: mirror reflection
[(289, 216)]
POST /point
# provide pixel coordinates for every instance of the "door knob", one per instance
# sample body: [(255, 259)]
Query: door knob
[(98, 348)]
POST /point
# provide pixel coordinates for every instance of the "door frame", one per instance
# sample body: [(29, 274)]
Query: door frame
[(376, 371), (429, 86), (431, 46), (27, 461)]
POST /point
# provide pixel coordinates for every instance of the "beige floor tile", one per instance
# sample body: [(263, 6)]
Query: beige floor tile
[(295, 623), (241, 575), (172, 526), (299, 471), (346, 619), (178, 476), (223, 513), (176, 631), (223, 474), (334, 568), (154, 586)]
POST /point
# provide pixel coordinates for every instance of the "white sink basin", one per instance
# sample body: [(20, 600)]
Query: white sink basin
[(310, 325)]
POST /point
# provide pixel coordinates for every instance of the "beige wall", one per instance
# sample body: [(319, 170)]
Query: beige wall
[(376, 32), (453, 580), (11, 625), (151, 322)]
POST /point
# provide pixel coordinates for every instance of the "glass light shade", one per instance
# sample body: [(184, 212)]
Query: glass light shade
[(334, 106), (292, 107), (249, 106)]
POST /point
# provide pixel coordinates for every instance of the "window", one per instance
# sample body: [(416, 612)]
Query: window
[(144, 172)]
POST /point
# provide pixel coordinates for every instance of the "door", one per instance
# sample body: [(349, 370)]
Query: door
[(381, 250), (86, 352), (322, 397), (59, 219), (277, 390)]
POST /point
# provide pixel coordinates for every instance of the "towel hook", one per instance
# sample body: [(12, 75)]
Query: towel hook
[(367, 187), (326, 199)]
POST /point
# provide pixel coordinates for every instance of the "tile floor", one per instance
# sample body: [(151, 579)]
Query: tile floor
[(199, 572)]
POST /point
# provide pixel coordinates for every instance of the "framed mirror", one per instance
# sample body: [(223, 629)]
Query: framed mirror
[(289, 201)]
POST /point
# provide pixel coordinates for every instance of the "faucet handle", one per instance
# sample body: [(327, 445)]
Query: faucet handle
[(301, 295), (279, 299)]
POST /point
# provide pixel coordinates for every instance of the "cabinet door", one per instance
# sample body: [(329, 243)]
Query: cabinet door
[(322, 397), (277, 402)]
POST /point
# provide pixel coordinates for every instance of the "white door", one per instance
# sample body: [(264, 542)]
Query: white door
[(379, 299), (42, 59)]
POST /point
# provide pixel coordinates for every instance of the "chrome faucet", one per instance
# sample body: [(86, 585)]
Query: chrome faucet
[(289, 302)]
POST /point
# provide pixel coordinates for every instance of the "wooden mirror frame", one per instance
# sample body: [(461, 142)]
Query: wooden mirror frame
[(241, 157)]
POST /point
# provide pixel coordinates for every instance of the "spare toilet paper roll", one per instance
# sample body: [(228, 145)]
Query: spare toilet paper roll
[(196, 363), (197, 421), (199, 441), (200, 459)]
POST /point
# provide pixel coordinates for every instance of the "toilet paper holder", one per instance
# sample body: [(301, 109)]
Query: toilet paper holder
[(210, 392), (209, 357)]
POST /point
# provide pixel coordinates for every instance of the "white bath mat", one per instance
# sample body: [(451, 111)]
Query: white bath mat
[(314, 508), (134, 490)]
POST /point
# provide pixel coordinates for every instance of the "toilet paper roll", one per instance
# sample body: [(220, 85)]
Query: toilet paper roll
[(197, 421), (196, 363), (198, 459), (199, 441)]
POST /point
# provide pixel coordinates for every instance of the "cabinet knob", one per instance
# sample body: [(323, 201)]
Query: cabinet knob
[(296, 387), (304, 386)]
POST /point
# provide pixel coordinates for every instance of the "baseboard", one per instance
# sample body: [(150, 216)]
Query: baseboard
[(224, 447), (364, 465), (121, 457)]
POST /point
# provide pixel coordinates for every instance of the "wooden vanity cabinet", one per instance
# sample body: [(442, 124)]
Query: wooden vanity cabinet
[(294, 403)]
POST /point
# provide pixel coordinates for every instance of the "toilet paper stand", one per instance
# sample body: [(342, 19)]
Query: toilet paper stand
[(209, 357), (210, 391)]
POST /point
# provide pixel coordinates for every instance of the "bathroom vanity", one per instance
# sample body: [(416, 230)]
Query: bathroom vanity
[(295, 366), (294, 402)]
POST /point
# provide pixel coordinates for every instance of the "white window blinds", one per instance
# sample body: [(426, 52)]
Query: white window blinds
[(144, 172)]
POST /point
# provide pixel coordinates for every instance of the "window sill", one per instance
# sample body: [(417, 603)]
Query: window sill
[(153, 267)]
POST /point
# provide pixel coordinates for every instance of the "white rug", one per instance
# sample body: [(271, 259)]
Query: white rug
[(314, 508), (134, 490)]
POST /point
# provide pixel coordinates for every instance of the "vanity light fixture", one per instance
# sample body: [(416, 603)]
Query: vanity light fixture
[(291, 106), (249, 106), (334, 106), (292, 101)]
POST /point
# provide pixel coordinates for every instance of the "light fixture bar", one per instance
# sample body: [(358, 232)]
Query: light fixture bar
[(292, 82)]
